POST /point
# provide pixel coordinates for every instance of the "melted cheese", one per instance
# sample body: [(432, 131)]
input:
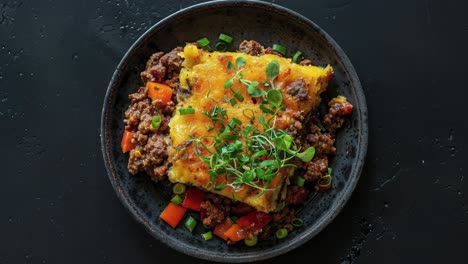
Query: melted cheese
[(205, 73)]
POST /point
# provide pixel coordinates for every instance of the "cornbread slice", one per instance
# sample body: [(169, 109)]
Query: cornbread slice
[(204, 73)]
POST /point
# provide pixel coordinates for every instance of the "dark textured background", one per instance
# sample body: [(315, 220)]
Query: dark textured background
[(57, 205)]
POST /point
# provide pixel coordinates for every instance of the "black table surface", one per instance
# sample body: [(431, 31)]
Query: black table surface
[(57, 57)]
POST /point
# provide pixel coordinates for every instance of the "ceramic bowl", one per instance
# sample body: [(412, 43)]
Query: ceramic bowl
[(252, 20)]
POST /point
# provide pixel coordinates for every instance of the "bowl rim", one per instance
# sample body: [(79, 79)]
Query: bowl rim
[(306, 234)]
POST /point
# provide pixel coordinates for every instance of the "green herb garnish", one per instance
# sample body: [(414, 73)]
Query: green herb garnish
[(187, 111)]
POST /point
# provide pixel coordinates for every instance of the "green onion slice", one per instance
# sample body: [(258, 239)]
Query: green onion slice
[(178, 188), (325, 181), (297, 222), (296, 56), (156, 122), (251, 242), (280, 49), (329, 171), (234, 219), (225, 38), (300, 181), (187, 111), (176, 199), (190, 223), (221, 46), (322, 128), (282, 233), (203, 42), (208, 235)]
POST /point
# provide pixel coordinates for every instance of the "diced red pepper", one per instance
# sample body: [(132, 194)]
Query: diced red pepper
[(220, 229), (193, 199), (172, 214), (254, 220)]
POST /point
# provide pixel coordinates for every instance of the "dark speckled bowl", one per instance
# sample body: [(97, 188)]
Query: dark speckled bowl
[(267, 23)]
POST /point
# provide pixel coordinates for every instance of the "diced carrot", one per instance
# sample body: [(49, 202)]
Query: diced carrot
[(158, 92), (172, 214), (193, 199), (221, 228), (235, 233), (127, 144)]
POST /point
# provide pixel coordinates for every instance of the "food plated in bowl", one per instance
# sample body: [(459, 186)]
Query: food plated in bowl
[(243, 130)]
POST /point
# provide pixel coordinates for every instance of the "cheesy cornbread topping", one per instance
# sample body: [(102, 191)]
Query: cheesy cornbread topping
[(230, 134)]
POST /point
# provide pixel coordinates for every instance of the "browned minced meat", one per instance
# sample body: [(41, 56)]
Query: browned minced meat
[(296, 195), (334, 119), (150, 154), (164, 68), (251, 47), (214, 209), (316, 168), (305, 62), (298, 90), (210, 214), (323, 143), (269, 50)]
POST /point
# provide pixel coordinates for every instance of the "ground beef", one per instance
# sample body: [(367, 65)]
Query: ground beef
[(298, 90), (296, 195), (215, 209), (316, 168), (164, 68), (335, 117), (269, 50), (251, 47), (210, 214), (305, 62), (323, 143)]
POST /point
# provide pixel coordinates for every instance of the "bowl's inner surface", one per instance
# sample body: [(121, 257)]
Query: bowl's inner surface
[(242, 21)]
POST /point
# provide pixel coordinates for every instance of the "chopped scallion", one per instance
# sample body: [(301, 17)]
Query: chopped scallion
[(300, 181), (203, 42), (297, 222), (221, 46), (156, 122), (225, 38), (234, 219), (190, 223), (208, 235), (178, 188), (322, 128), (325, 181), (176, 199), (282, 233), (187, 111), (233, 101), (296, 56), (280, 49), (251, 242)]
